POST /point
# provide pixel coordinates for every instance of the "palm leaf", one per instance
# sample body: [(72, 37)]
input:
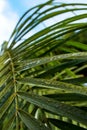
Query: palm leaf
[(44, 60), (30, 122), (55, 107), (64, 125)]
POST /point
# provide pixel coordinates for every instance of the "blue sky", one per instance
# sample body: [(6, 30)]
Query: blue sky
[(20, 6), (11, 10)]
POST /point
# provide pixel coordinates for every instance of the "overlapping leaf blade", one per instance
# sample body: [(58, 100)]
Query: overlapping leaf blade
[(56, 107), (31, 122), (64, 125), (53, 85), (5, 106)]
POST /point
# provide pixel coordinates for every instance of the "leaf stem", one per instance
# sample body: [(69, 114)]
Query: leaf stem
[(15, 89)]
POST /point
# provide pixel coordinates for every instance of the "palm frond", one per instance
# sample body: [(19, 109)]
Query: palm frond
[(43, 70)]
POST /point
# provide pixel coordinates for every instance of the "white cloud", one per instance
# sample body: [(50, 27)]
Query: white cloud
[(74, 1), (8, 20)]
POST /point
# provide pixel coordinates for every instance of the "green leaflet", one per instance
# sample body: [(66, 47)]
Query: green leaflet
[(40, 61), (68, 97), (56, 107), (77, 45), (5, 78), (31, 122), (44, 83), (76, 81), (6, 89), (6, 105), (62, 66), (9, 124), (64, 125)]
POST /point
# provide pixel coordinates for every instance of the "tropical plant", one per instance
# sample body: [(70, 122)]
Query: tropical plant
[(41, 77)]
